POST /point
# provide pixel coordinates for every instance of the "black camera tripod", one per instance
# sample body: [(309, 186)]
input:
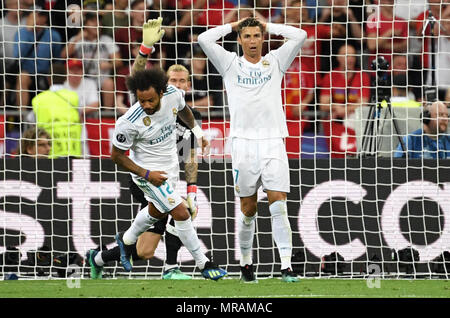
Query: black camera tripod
[(369, 144), (431, 92)]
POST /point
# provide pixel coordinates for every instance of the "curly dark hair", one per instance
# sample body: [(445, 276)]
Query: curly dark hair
[(145, 79), (250, 22)]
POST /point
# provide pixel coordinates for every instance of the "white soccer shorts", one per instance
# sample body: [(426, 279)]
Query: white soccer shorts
[(259, 162), (165, 197)]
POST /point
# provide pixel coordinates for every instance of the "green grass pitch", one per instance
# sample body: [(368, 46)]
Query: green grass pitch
[(226, 288)]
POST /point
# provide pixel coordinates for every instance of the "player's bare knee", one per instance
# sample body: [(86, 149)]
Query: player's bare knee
[(248, 206), (274, 196), (180, 213), (145, 254), (154, 212)]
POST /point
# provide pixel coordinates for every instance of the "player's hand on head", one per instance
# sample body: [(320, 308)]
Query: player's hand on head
[(157, 178), (234, 25), (152, 32), (261, 20)]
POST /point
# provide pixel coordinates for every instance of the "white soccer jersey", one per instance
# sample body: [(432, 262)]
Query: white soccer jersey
[(151, 138), (254, 90)]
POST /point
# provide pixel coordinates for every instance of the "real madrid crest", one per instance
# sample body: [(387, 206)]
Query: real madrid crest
[(174, 111), (265, 63), (237, 189), (171, 201), (147, 121)]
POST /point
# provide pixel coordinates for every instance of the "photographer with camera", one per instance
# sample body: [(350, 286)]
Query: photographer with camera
[(432, 141)]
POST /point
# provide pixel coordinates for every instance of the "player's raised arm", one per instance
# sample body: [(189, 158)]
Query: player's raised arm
[(289, 50), (151, 33), (220, 57)]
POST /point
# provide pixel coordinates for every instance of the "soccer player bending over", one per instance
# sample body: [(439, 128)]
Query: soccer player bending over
[(148, 241), (147, 129), (257, 128)]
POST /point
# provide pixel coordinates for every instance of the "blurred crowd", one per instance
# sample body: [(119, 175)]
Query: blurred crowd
[(87, 47)]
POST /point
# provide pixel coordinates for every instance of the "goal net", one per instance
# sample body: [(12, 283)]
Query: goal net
[(368, 143)]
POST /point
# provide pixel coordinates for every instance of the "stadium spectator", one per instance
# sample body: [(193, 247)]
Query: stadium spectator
[(56, 111), (100, 55), (180, 30), (125, 37), (35, 142), (342, 91), (189, 23), (86, 88), (440, 9), (214, 12), (400, 95), (269, 9), (206, 88), (298, 90), (296, 14), (386, 33), (400, 67), (399, 64), (9, 26), (65, 16), (116, 18), (297, 93), (241, 12), (432, 141), (346, 29), (346, 87), (35, 46)]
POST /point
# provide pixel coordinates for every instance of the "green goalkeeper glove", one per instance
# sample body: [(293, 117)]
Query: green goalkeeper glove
[(152, 32)]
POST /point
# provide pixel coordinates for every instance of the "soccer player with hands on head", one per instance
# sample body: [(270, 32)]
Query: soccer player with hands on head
[(257, 128), (147, 129)]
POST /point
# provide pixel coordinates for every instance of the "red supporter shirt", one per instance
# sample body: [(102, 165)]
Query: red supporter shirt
[(296, 85), (125, 38), (382, 26), (184, 3), (342, 91), (214, 12), (312, 49)]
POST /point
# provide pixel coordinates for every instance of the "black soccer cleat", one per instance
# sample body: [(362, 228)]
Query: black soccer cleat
[(248, 274)]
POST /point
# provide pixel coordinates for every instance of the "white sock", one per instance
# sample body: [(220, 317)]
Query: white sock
[(190, 240), (98, 260), (281, 232), (141, 223), (246, 233), (167, 266)]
